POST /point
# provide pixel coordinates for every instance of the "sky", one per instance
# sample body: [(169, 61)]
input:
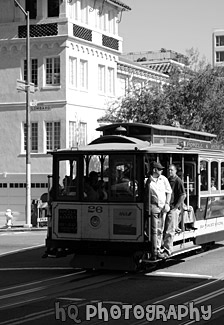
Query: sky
[(176, 25)]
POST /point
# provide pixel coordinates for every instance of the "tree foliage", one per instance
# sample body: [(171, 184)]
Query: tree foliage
[(192, 98)]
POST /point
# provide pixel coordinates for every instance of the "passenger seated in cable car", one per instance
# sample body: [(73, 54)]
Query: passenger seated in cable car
[(69, 186), (222, 183), (93, 180), (188, 216), (102, 191), (213, 187), (94, 189), (204, 180), (66, 185), (90, 194)]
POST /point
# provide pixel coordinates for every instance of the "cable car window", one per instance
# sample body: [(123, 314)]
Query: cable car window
[(67, 178), (215, 207), (94, 163), (214, 176), (96, 177), (222, 175), (204, 175), (123, 181)]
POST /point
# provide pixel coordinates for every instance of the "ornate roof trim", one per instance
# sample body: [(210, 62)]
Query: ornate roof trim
[(120, 3), (134, 66)]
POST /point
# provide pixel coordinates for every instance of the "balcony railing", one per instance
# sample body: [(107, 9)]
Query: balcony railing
[(110, 42), (82, 32), (54, 29), (39, 30)]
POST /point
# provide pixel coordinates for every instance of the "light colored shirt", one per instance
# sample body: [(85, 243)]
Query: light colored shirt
[(159, 187)]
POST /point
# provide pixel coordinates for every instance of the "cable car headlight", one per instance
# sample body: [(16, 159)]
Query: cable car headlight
[(95, 221)]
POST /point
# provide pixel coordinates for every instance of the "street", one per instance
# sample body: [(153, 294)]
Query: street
[(48, 291)]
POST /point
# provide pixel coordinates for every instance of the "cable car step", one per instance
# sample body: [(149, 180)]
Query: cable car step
[(177, 252)]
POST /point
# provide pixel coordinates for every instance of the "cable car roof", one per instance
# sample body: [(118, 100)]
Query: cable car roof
[(143, 129), (121, 144)]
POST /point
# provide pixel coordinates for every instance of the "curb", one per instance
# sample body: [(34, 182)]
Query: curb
[(19, 229)]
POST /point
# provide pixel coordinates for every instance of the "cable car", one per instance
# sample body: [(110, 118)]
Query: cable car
[(97, 194)]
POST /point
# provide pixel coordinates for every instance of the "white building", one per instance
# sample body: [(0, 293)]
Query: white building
[(75, 67), (218, 48), (163, 61)]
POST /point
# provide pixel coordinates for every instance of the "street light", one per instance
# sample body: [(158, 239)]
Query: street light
[(28, 133)]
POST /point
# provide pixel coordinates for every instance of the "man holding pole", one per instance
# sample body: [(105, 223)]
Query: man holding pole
[(177, 199)]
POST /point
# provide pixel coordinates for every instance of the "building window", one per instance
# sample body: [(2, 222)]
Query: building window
[(33, 72), (219, 40), (53, 134), (82, 133), (72, 134), (53, 8), (84, 12), (111, 81), (219, 56), (83, 74), (53, 71), (73, 71), (33, 135), (31, 6), (101, 78)]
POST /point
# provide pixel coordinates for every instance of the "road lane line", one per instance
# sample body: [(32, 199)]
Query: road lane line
[(209, 296), (21, 293), (217, 310), (21, 250), (34, 316), (182, 293), (41, 281), (70, 299), (22, 302), (184, 275)]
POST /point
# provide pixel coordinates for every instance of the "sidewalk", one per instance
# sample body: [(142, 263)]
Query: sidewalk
[(22, 228)]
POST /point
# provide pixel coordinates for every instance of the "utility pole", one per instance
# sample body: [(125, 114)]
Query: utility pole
[(28, 133)]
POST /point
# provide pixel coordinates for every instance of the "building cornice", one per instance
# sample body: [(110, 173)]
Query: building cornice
[(22, 105), (129, 67)]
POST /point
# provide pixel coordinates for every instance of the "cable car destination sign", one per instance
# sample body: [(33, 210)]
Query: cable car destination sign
[(201, 145)]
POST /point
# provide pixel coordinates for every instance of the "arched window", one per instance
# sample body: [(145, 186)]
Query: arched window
[(222, 175), (204, 175), (214, 176)]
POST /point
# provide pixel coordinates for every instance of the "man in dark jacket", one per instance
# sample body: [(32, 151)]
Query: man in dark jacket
[(177, 199)]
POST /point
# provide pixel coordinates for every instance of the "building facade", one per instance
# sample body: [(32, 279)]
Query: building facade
[(218, 48), (76, 72)]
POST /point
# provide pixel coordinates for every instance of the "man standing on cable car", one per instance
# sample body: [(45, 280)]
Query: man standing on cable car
[(177, 199), (158, 197)]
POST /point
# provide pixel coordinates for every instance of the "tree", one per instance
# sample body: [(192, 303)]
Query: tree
[(193, 99), (194, 61), (143, 104), (197, 101)]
